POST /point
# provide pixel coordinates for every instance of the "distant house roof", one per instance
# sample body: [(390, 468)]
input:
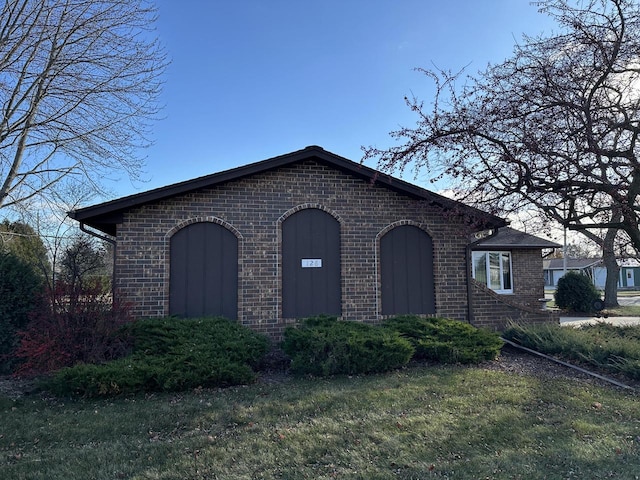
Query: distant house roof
[(629, 262), (580, 263), (509, 238), (572, 263), (106, 216)]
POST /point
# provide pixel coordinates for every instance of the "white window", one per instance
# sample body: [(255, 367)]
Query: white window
[(493, 269)]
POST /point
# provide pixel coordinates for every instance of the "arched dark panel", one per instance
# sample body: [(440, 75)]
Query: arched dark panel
[(406, 264), (311, 265), (204, 272)]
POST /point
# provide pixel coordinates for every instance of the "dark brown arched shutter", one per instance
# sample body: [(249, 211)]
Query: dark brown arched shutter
[(204, 272), (311, 264), (406, 267)]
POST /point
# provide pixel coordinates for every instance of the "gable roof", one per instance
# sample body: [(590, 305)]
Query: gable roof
[(582, 263), (105, 216), (572, 263), (510, 238)]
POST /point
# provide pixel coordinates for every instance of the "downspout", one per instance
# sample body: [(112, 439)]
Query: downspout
[(110, 240), (470, 314)]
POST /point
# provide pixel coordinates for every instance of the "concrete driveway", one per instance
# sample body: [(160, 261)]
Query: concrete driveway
[(621, 321), (622, 300), (629, 300), (618, 321)]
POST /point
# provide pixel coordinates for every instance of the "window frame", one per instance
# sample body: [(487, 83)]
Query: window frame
[(476, 255)]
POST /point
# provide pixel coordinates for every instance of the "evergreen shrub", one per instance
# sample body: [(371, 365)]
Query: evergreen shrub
[(446, 341), (20, 291), (575, 292), (325, 346), (171, 354)]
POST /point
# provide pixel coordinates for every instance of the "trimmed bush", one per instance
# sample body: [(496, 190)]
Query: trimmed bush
[(446, 341), (20, 287), (576, 293), (325, 346), (171, 354)]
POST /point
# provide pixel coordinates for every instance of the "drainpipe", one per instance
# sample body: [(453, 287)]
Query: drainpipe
[(110, 240), (470, 314)]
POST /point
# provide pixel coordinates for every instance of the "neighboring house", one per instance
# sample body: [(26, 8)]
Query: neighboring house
[(629, 274), (310, 233), (628, 277), (554, 268)]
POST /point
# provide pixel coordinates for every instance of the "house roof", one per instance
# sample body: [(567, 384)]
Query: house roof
[(629, 262), (105, 216), (509, 238), (580, 263), (572, 263)]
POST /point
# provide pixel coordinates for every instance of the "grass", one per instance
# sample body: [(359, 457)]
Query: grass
[(620, 311), (418, 423), (624, 311)]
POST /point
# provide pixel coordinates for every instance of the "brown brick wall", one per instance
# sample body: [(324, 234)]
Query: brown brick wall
[(494, 311), (528, 278), (253, 208)]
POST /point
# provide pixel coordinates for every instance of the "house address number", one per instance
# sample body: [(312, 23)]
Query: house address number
[(311, 263)]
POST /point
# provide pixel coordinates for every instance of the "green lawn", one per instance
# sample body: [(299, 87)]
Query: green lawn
[(417, 423), (625, 311)]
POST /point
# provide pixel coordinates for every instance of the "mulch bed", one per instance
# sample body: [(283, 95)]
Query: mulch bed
[(515, 361)]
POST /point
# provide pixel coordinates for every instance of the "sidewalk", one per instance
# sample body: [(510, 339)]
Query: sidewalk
[(619, 321)]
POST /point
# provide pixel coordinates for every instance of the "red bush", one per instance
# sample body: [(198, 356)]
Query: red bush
[(74, 325)]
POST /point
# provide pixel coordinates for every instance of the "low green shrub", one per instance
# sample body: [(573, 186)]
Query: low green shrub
[(125, 375), (148, 374), (325, 346), (601, 345), (171, 354), (546, 338), (446, 341), (189, 336), (576, 293)]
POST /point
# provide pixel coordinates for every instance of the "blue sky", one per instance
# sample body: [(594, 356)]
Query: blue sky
[(252, 79)]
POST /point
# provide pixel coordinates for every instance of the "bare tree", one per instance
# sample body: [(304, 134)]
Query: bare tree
[(555, 127), (79, 85), (47, 215), (84, 260)]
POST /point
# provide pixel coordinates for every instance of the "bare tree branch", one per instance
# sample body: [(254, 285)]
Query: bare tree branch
[(79, 87), (554, 128), (556, 125)]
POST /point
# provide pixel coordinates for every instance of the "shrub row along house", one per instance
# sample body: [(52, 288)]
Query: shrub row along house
[(310, 233)]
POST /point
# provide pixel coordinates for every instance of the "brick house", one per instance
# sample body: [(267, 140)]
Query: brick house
[(507, 279), (311, 232)]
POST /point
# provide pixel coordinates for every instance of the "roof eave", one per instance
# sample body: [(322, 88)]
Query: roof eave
[(99, 215)]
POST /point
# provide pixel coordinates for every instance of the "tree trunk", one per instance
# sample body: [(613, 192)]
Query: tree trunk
[(613, 270), (607, 244)]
